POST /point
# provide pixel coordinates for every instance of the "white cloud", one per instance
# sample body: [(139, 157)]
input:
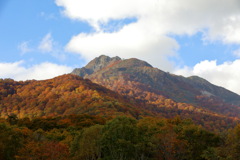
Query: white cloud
[(237, 53), (46, 44), (48, 16), (148, 38), (24, 47), (219, 19), (52, 47), (226, 74), (41, 71), (141, 44)]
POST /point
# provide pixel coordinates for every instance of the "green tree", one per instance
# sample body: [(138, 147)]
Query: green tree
[(120, 139), (86, 145), (199, 141), (160, 140)]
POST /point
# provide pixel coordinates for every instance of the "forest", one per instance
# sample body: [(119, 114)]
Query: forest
[(71, 94), (88, 137), (71, 118)]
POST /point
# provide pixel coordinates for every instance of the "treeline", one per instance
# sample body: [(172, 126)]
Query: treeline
[(88, 137)]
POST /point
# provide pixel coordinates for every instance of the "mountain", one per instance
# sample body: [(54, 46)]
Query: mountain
[(157, 89), (72, 95), (63, 95)]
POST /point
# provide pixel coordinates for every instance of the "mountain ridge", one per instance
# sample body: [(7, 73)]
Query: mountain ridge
[(129, 75)]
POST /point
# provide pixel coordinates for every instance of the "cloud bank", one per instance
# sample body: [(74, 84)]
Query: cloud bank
[(41, 71), (156, 20)]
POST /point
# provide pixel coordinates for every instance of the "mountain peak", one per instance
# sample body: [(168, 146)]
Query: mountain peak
[(101, 62), (95, 65), (104, 61)]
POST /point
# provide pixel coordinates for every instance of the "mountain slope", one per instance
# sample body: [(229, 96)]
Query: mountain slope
[(71, 94), (63, 95), (140, 81)]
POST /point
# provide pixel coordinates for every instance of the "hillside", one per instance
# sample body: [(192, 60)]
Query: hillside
[(69, 118), (159, 90), (135, 89), (63, 95)]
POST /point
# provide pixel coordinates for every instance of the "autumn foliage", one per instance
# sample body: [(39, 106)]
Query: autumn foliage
[(72, 95), (121, 138), (64, 95)]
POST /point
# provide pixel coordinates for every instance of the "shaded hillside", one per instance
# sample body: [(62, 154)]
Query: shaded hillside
[(142, 82), (63, 95)]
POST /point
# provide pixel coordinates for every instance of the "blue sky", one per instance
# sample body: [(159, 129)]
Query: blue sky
[(29, 21), (40, 39)]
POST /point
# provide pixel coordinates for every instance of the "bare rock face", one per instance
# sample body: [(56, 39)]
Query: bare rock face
[(101, 62), (95, 65)]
